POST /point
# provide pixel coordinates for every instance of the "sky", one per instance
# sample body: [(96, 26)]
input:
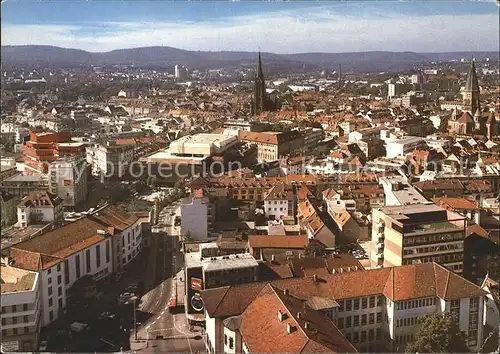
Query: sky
[(280, 27)]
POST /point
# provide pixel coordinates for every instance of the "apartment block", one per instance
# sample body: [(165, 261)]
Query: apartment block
[(68, 180), (416, 234), (205, 269), (96, 246), (377, 310), (109, 159), (197, 214), (20, 308), (40, 208), (273, 145)]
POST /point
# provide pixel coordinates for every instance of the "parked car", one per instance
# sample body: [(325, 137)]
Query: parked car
[(107, 315)]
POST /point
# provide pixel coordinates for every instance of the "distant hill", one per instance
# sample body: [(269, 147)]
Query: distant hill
[(166, 57)]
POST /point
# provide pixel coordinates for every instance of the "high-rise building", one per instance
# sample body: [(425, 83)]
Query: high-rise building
[(181, 72), (419, 233), (68, 180)]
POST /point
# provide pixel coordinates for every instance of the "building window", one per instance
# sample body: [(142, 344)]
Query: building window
[(363, 320), (59, 279), (356, 321), (50, 302), (49, 280), (98, 255), (60, 303), (455, 308), (87, 260), (4, 321), (356, 304), (348, 322), (107, 252), (14, 320), (372, 301), (231, 342), (340, 323), (364, 303), (379, 317), (59, 291), (363, 336), (59, 267), (66, 272), (225, 339), (474, 304), (25, 307), (371, 318), (50, 290), (25, 318), (77, 265), (348, 306), (355, 337), (51, 315), (14, 308)]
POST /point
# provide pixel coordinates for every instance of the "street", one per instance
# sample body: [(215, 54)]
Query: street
[(161, 330)]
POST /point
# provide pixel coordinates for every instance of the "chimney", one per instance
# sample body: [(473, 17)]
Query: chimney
[(300, 255), (315, 278), (289, 328), (285, 291), (306, 325), (299, 315), (281, 316), (273, 257)]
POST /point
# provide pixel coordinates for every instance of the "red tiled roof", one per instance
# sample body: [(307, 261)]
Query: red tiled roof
[(397, 283), (264, 332)]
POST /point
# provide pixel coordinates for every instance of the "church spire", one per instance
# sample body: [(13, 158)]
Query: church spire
[(260, 71), (472, 84)]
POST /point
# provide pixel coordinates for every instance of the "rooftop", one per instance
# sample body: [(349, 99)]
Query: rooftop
[(16, 280), (233, 261), (396, 283)]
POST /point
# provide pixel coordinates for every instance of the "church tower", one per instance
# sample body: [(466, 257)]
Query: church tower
[(259, 100), (470, 94)]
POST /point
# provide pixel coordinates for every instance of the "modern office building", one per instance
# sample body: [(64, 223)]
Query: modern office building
[(418, 233)]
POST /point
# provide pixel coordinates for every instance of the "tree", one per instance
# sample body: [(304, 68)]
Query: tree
[(439, 333), (315, 249)]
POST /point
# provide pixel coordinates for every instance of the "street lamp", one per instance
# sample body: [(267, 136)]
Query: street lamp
[(133, 299)]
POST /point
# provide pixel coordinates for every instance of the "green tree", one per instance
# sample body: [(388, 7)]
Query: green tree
[(439, 333), (315, 249)]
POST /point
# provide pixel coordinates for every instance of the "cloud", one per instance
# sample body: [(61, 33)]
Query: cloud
[(305, 30)]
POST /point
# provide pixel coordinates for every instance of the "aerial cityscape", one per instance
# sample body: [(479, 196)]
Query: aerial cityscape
[(250, 177)]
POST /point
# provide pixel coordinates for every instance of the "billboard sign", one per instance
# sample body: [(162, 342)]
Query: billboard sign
[(196, 284)]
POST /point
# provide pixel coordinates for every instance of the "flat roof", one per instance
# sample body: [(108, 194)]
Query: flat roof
[(16, 280), (233, 261), (400, 212), (204, 138), (25, 178)]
